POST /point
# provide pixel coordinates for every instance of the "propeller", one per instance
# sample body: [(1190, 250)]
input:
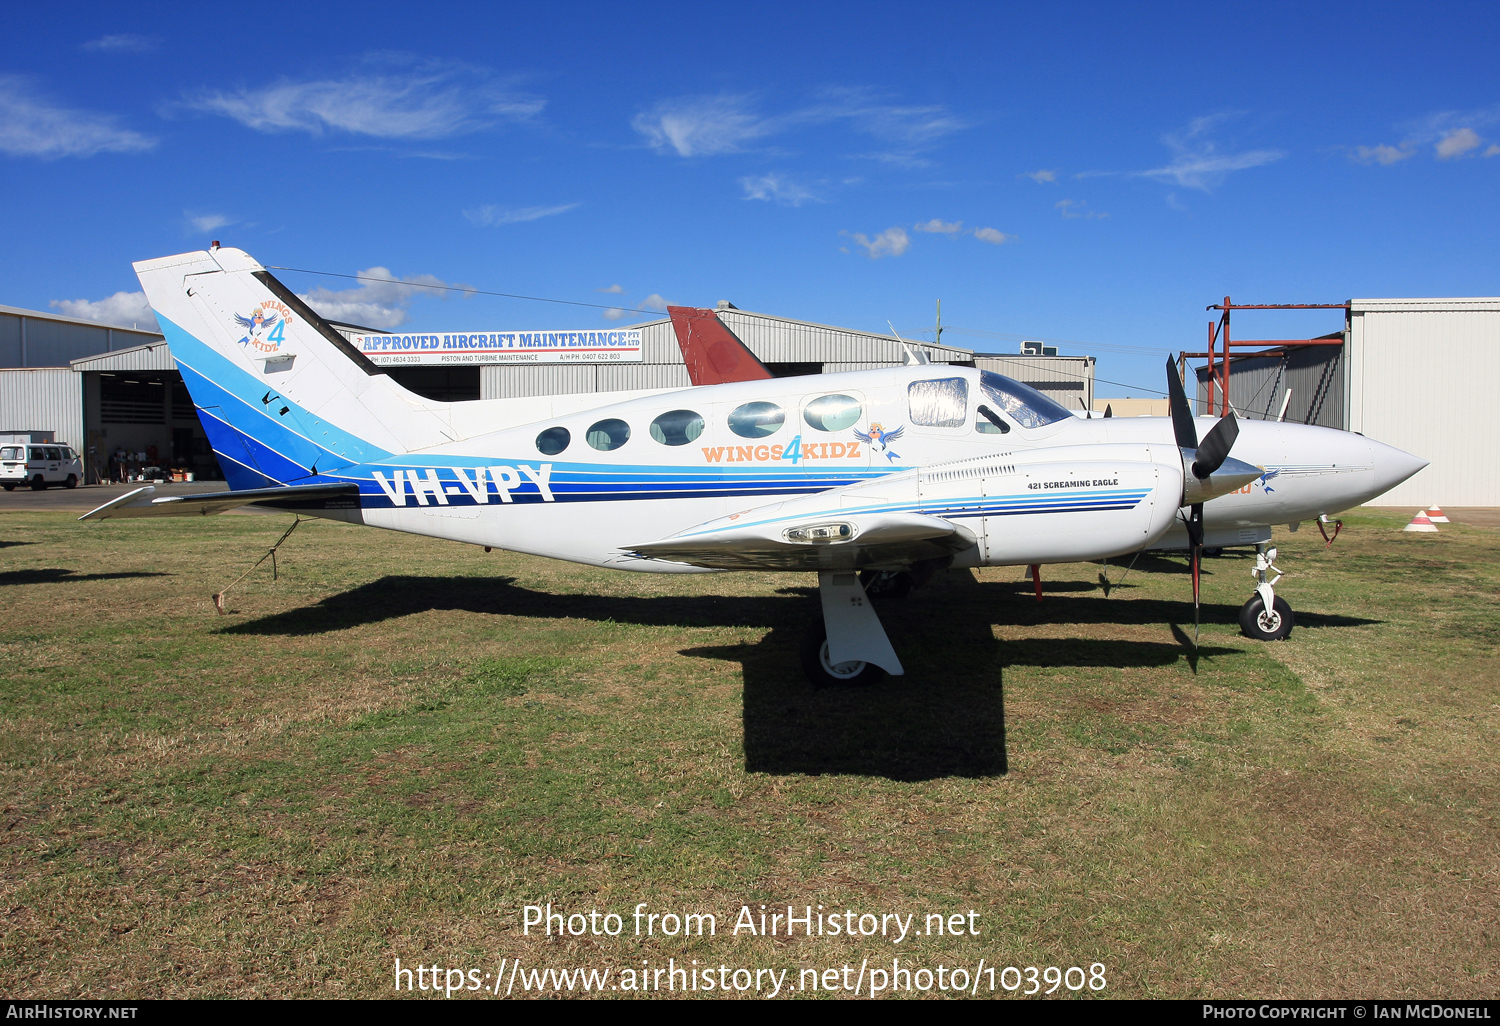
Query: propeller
[(1203, 460)]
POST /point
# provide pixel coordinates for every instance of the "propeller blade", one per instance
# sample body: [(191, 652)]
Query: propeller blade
[(1109, 410), (1215, 447), (1195, 550), (1182, 414)]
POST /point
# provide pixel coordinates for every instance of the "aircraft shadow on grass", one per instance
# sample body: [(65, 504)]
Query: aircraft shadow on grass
[(945, 717), (51, 575)]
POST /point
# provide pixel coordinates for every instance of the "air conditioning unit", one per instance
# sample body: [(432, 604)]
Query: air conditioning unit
[(1037, 349)]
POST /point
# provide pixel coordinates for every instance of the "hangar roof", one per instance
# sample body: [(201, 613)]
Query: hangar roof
[(153, 356)]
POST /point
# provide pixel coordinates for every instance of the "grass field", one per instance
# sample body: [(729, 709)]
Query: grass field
[(397, 746)]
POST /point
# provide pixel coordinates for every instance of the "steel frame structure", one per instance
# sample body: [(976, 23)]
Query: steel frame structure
[(1220, 344)]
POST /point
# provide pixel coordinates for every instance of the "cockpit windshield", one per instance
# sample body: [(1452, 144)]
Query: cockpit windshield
[(1022, 403)]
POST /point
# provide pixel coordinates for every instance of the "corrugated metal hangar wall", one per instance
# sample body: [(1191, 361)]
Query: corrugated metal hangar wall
[(1258, 385), (1422, 375)]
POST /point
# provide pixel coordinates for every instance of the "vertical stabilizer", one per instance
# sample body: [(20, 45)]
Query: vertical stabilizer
[(712, 354), (281, 394)]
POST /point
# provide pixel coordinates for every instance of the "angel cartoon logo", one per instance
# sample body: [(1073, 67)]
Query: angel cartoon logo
[(265, 327), (879, 439)]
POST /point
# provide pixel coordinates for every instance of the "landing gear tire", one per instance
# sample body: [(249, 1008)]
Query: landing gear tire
[(1212, 553), (39, 483), (887, 583), (824, 674), (72, 481), (1259, 624)]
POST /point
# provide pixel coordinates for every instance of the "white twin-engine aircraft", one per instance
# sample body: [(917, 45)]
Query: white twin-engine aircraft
[(897, 471)]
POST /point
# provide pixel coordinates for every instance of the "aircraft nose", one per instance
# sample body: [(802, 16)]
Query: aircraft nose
[(1392, 465)]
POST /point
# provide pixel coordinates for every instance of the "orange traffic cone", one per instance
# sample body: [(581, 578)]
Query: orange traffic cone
[(1435, 514), (1421, 522)]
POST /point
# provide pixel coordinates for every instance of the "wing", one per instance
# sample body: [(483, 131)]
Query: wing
[(863, 437), (245, 321), (307, 498), (891, 436), (874, 539), (271, 320)]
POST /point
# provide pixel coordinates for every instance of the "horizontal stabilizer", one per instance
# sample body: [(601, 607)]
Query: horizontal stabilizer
[(826, 541), (140, 503)]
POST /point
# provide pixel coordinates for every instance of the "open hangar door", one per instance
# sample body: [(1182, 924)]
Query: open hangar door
[(137, 416)]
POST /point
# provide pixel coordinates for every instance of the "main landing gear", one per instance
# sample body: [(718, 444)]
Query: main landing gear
[(848, 646), (1266, 617)]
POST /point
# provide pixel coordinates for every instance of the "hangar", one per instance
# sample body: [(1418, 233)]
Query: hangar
[(1414, 373)]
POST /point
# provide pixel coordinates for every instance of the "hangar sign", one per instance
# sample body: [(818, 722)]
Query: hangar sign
[(480, 347)]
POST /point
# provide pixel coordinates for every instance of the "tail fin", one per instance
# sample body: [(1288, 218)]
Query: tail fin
[(712, 354), (281, 394)]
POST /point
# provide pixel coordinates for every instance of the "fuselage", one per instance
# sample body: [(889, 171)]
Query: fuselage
[(589, 486)]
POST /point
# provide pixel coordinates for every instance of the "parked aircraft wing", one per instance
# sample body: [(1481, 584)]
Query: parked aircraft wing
[(821, 541), (712, 354), (140, 503)]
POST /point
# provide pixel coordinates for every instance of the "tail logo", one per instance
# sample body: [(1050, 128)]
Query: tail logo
[(265, 327)]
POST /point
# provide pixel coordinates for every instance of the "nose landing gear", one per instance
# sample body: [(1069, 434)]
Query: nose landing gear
[(1266, 617)]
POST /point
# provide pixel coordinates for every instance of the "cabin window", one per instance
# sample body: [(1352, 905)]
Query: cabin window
[(939, 402), (608, 435), (832, 413), (553, 441), (677, 428), (988, 422), (757, 420), (1022, 403)]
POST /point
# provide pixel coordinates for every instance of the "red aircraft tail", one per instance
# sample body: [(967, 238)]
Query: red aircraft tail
[(712, 354)]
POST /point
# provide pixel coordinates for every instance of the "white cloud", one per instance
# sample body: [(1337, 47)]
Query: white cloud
[(393, 97), (993, 235), (375, 304), (124, 42), (654, 302), (776, 189), (1493, 150), (1075, 209), (123, 309), (32, 126), (206, 222), (695, 126), (937, 226), (893, 241), (614, 313), (1381, 154), (1456, 143), (490, 216), (1200, 163), (1039, 177), (615, 289)]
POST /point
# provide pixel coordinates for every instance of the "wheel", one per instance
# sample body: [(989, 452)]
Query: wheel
[(1257, 623), (39, 483), (1213, 553), (72, 481), (824, 674), (10, 488), (886, 583)]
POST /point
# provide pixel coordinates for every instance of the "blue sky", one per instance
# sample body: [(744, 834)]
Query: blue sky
[(1096, 173)]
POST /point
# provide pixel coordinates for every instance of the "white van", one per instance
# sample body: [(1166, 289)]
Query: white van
[(39, 466)]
